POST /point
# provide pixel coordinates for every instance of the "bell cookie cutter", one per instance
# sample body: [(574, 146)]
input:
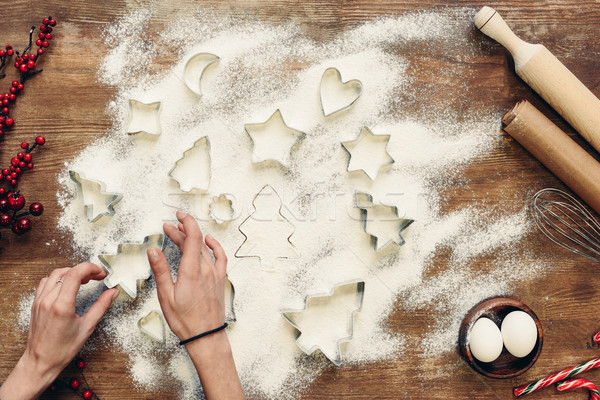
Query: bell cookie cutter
[(144, 118), (337, 95), (198, 153), (220, 209), (98, 191), (153, 326), (130, 264), (365, 139), (364, 202), (267, 132), (194, 70), (309, 345), (262, 249)]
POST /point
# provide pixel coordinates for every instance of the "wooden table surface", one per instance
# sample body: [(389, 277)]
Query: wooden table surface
[(66, 104)]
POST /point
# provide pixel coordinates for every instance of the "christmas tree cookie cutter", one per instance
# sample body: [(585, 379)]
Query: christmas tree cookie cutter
[(331, 349), (195, 68), (337, 95), (386, 214), (264, 134), (363, 158), (144, 118), (198, 153), (220, 209), (262, 249), (153, 326), (94, 197), (130, 266)]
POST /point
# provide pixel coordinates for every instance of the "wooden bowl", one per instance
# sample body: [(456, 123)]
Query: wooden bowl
[(507, 365)]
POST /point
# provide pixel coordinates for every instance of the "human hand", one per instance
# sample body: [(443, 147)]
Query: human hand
[(56, 332), (195, 303)]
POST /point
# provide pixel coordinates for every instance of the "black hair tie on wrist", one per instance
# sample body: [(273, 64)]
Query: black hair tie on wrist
[(181, 343)]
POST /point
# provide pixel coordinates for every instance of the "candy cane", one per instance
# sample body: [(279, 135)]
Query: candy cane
[(597, 337), (580, 383)]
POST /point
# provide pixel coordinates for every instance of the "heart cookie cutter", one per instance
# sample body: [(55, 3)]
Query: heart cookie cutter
[(153, 326), (98, 189), (337, 95), (309, 346)]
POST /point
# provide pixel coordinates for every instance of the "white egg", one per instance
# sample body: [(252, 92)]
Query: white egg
[(519, 333), (485, 340)]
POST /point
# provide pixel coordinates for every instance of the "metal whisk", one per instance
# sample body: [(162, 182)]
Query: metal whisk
[(566, 222)]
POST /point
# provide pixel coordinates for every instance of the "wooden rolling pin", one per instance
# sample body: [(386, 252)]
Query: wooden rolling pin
[(541, 70)]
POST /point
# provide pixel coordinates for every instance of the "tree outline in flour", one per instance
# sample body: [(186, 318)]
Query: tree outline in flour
[(267, 215)]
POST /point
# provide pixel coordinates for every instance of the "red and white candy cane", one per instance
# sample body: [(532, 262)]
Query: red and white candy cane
[(579, 383), (559, 376)]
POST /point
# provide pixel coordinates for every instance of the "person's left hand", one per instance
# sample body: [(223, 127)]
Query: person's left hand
[(56, 332)]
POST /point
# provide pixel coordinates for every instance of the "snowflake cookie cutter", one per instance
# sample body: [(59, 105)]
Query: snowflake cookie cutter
[(337, 95), (130, 265), (83, 186), (308, 347), (256, 251), (275, 126), (153, 326), (199, 181), (194, 70), (354, 147), (220, 209), (364, 202), (144, 118)]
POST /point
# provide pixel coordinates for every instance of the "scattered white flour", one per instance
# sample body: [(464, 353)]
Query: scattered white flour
[(263, 68)]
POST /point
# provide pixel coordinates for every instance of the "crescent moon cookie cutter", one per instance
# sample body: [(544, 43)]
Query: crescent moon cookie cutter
[(384, 214), (199, 153), (330, 347), (94, 197), (337, 95), (194, 70), (130, 266), (144, 118)]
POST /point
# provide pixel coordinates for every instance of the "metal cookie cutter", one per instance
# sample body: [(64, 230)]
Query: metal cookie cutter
[(268, 204), (144, 118), (220, 209), (382, 214), (365, 158), (195, 68), (153, 326), (264, 134), (194, 154), (130, 264), (89, 190), (229, 299), (331, 347), (337, 95)]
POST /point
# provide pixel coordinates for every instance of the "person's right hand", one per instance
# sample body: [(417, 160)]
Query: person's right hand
[(195, 303)]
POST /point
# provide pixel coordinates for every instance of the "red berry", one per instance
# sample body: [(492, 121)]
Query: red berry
[(43, 28), (24, 224), (5, 219), (14, 161), (48, 29), (1, 119), (2, 191), (45, 21), (13, 90), (23, 68), (22, 164), (12, 169), (24, 145), (5, 171), (12, 96), (10, 121), (38, 42), (45, 43), (30, 165), (2, 53), (15, 228), (20, 86), (19, 60), (31, 64), (87, 395), (3, 204), (10, 52), (16, 201), (5, 111), (8, 178), (5, 102), (75, 383), (13, 182), (27, 157), (52, 22), (18, 169), (40, 51), (20, 155), (80, 362), (25, 57), (1, 133), (40, 140), (42, 35), (48, 36), (14, 175)]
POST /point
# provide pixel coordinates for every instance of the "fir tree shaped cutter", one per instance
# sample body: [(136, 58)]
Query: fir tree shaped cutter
[(267, 231)]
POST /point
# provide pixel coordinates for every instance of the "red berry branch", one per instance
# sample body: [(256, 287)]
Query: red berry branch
[(75, 384), (11, 200)]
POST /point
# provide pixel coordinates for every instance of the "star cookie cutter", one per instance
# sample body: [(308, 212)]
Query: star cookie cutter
[(97, 190), (144, 118), (303, 339), (221, 210), (337, 95), (130, 264), (273, 128), (194, 70), (198, 153), (366, 157), (388, 214), (262, 248), (153, 326)]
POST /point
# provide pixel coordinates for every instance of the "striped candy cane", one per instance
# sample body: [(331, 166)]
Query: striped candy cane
[(580, 383)]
